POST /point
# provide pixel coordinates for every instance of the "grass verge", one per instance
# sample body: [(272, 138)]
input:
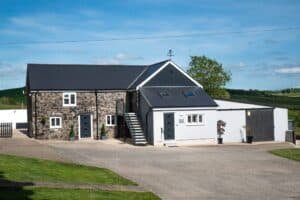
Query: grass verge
[(29, 169), (290, 153), (71, 194)]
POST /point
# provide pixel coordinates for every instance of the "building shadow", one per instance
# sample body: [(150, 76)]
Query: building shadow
[(13, 190)]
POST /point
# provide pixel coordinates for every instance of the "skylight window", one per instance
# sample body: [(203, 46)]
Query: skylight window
[(163, 93), (189, 94)]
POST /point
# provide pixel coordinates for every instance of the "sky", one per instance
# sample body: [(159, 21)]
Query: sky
[(257, 41)]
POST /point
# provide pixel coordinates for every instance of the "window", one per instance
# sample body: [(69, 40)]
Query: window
[(163, 93), (189, 118), (110, 120), (69, 99), (200, 118), (195, 119), (189, 94), (55, 122)]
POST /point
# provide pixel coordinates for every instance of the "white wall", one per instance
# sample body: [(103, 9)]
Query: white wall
[(182, 130), (14, 116), (280, 123), (234, 130), (235, 125)]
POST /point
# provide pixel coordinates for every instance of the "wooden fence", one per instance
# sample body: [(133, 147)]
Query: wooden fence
[(6, 129)]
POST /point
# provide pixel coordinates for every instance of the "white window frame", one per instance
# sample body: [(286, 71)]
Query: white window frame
[(55, 118), (69, 98), (110, 116), (196, 123)]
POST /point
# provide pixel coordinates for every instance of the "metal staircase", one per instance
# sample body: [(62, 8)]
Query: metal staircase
[(135, 129)]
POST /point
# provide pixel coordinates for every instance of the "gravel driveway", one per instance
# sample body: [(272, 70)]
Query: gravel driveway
[(211, 172)]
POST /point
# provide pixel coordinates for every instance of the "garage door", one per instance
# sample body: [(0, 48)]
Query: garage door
[(261, 124)]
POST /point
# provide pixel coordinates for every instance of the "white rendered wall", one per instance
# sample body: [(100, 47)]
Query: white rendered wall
[(280, 123), (184, 132), (235, 125), (13, 116)]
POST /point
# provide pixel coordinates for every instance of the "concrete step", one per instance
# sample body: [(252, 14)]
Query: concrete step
[(129, 115), (135, 125), (135, 128), (138, 135), (136, 131), (140, 143), (139, 140), (131, 118)]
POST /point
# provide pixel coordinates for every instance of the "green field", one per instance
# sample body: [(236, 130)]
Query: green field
[(285, 98), (269, 98), (12, 99), (15, 169)]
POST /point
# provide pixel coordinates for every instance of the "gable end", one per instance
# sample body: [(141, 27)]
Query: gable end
[(169, 75)]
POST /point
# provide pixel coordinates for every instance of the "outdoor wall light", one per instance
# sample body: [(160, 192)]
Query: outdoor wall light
[(248, 113)]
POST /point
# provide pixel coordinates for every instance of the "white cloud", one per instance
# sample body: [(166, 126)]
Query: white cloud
[(120, 58), (125, 56), (288, 70), (239, 65)]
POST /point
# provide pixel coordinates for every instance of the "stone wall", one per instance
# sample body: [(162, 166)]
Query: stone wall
[(50, 104)]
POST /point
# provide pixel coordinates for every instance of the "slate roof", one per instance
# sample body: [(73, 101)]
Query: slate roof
[(147, 72), (164, 97), (87, 77)]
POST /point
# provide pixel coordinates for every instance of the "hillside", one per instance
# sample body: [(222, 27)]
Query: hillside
[(12, 98), (288, 98)]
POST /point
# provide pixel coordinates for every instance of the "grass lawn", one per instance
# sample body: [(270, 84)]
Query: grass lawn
[(291, 153), (15, 168), (72, 194), (28, 169)]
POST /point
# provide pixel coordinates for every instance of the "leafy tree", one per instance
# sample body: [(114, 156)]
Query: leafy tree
[(210, 74)]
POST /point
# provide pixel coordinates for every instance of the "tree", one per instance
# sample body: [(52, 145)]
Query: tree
[(210, 74)]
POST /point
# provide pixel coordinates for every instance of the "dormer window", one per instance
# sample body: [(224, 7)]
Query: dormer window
[(69, 99)]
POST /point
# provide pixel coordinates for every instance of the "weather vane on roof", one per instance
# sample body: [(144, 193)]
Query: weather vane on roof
[(170, 54)]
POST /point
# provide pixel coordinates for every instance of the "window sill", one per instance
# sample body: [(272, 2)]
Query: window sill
[(69, 105), (202, 124)]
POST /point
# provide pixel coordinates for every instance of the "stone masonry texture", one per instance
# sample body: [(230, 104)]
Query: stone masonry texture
[(50, 104)]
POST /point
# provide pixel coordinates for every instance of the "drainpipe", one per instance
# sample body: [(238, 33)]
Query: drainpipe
[(146, 124), (35, 114), (137, 100), (97, 124)]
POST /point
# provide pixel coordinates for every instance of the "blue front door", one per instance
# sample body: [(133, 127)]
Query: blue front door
[(85, 126)]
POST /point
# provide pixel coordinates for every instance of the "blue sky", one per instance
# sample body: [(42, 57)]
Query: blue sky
[(257, 60)]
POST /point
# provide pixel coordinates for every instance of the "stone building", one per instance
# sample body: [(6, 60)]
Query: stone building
[(156, 104)]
